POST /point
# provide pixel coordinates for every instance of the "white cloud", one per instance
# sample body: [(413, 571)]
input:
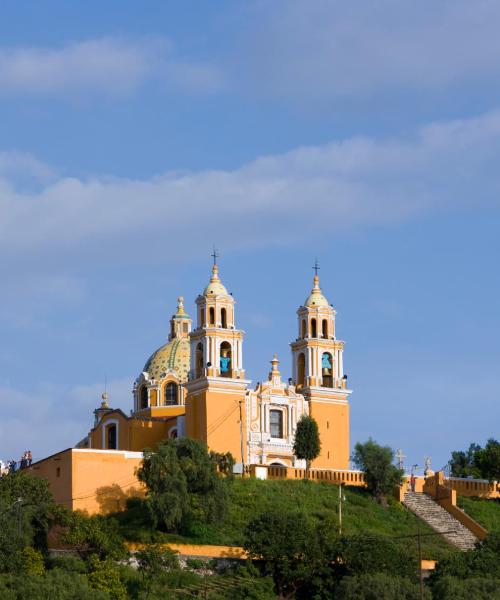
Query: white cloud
[(308, 192), (109, 66), (328, 49), (51, 418)]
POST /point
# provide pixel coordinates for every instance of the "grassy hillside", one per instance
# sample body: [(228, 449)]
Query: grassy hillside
[(485, 512), (319, 500)]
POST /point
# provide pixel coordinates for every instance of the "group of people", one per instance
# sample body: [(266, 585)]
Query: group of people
[(14, 465)]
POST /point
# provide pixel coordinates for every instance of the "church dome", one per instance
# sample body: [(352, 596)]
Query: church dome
[(173, 356), (316, 297), (215, 287)]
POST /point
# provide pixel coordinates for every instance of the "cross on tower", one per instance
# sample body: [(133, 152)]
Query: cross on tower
[(316, 267), (215, 255)]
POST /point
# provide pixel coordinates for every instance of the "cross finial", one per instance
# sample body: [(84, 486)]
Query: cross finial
[(215, 255), (316, 267)]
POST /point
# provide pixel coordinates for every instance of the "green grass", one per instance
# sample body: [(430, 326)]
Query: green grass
[(249, 497), (485, 512)]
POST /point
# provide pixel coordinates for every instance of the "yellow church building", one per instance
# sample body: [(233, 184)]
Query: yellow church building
[(195, 385)]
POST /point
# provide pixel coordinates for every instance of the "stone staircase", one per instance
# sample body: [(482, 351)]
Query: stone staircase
[(440, 520)]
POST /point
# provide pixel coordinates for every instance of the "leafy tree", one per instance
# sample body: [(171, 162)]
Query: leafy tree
[(478, 588), (183, 485), (378, 586), (483, 561), (307, 445), (286, 544), (26, 511), (376, 461), (364, 554), (477, 462), (95, 535), (487, 460), (104, 576), (224, 462)]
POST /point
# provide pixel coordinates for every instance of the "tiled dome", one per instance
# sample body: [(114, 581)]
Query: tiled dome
[(173, 356)]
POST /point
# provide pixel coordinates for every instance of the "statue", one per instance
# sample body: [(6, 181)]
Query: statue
[(225, 361)]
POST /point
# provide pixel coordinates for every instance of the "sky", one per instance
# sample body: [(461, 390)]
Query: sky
[(135, 135)]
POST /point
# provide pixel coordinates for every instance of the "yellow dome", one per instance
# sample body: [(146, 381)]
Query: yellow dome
[(173, 356), (215, 287), (316, 297)]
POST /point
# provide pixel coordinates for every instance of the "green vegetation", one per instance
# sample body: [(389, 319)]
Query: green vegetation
[(183, 485), (307, 444), (485, 512), (477, 462), (250, 497), (380, 474)]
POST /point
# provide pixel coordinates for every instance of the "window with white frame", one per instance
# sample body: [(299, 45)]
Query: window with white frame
[(276, 423)]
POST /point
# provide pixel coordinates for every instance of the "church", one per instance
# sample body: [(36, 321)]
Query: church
[(195, 385)]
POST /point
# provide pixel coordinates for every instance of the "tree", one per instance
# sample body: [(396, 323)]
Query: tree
[(376, 462), (379, 586), (307, 444), (477, 462), (286, 544), (26, 511), (183, 485), (95, 535)]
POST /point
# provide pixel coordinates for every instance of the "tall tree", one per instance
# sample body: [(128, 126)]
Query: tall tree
[(477, 462), (376, 462), (183, 485), (307, 444)]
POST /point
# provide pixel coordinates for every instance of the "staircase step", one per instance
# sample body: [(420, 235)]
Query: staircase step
[(440, 520)]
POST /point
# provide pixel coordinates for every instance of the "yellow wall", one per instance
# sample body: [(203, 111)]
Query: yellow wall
[(93, 481), (333, 424)]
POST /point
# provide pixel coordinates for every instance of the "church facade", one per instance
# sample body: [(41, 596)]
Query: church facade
[(195, 385)]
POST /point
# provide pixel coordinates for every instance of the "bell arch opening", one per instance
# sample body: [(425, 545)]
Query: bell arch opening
[(301, 370), (199, 361), (223, 318), (314, 328), (226, 359), (143, 401), (325, 328), (327, 369)]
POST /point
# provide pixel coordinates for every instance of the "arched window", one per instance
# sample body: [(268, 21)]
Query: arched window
[(226, 359), (172, 434), (202, 317), (111, 437), (327, 369), (314, 329), (303, 328), (325, 328), (199, 360), (301, 370), (223, 318), (276, 423), (144, 397), (212, 315), (170, 393)]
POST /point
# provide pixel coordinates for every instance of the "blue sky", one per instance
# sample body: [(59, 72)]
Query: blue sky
[(136, 135)]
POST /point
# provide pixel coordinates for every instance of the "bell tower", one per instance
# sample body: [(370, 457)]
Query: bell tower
[(216, 390), (318, 373)]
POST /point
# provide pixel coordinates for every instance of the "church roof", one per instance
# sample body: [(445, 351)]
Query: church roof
[(173, 356), (316, 297), (215, 287)]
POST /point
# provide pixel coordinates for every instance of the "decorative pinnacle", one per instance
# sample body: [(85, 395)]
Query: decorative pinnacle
[(275, 362), (180, 305), (316, 268), (104, 403)]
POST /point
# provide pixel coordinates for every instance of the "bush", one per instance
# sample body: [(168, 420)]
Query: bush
[(93, 535), (453, 588), (104, 576), (55, 584), (378, 586)]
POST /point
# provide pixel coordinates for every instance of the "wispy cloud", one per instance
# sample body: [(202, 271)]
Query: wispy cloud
[(308, 192), (52, 417), (105, 66)]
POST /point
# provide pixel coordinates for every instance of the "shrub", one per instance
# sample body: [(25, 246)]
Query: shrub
[(378, 586)]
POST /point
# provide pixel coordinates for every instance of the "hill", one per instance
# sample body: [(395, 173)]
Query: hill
[(249, 497), (485, 512)]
